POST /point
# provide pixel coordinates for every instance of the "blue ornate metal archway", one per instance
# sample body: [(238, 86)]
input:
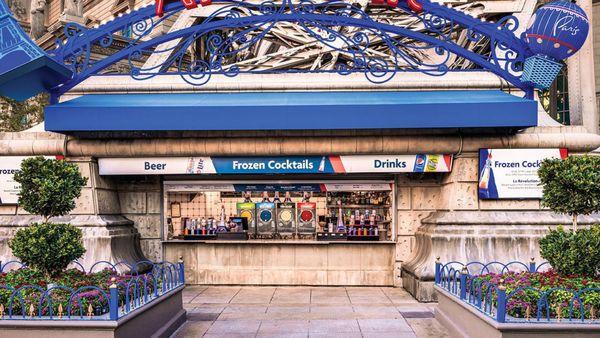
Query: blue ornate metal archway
[(236, 26)]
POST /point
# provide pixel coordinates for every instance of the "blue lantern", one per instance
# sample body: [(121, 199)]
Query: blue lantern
[(555, 32)]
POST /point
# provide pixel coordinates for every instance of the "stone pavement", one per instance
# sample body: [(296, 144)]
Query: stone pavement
[(223, 311)]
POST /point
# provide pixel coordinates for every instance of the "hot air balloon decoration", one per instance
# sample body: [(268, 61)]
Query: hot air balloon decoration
[(555, 32)]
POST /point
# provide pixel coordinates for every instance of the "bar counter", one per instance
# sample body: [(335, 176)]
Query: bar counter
[(284, 262), (272, 241)]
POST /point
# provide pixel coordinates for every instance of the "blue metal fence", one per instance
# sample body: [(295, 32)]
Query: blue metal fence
[(146, 282), (466, 282)]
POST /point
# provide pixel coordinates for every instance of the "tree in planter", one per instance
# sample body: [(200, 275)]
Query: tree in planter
[(571, 186), (48, 188)]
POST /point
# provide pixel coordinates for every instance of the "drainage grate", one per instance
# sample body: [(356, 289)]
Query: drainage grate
[(202, 317), (417, 314)]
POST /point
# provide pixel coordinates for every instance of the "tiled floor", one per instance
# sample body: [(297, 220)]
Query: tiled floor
[(220, 311)]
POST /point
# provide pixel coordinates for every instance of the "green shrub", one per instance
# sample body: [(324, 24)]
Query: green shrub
[(48, 247), (571, 186), (573, 253), (49, 187)]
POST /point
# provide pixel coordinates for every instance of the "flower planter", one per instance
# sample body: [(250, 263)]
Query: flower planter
[(475, 300), (463, 320), (159, 318), (118, 305)]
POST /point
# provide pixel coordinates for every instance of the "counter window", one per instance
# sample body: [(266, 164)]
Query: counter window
[(331, 211)]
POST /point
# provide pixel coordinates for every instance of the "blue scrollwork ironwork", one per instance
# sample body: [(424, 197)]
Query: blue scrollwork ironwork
[(363, 42)]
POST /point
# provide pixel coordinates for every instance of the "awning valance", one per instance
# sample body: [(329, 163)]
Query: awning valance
[(292, 111)]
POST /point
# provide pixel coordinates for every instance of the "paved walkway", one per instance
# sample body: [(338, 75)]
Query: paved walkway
[(306, 311)]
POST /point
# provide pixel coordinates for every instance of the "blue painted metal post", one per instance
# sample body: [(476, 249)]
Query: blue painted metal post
[(181, 271), (114, 301), (532, 265), (164, 279), (501, 305), (438, 270), (463, 282)]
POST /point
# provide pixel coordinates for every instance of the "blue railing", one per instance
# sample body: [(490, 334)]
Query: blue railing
[(145, 282), (468, 283)]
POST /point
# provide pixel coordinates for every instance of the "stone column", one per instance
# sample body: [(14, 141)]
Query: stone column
[(38, 18), (73, 11), (582, 87)]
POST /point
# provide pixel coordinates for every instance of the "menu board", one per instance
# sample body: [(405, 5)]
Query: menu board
[(9, 188), (512, 173)]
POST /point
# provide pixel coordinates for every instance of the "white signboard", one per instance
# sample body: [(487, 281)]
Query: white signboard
[(9, 189), (512, 173), (276, 165), (155, 166)]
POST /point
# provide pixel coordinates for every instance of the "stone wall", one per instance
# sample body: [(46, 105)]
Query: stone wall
[(139, 198), (107, 235), (448, 220)]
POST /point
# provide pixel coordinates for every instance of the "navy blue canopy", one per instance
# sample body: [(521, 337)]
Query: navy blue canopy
[(292, 111)]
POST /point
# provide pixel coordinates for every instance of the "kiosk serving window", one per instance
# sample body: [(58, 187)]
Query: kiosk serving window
[(293, 210)]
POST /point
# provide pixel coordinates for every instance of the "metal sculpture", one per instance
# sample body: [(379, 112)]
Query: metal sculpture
[(555, 32), (25, 69), (235, 27)]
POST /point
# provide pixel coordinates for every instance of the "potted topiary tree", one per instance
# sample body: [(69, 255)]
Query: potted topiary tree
[(48, 188), (572, 187)]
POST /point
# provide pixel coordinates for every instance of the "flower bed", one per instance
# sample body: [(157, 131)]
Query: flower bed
[(478, 299), (96, 303), (540, 294), (95, 294), (73, 292)]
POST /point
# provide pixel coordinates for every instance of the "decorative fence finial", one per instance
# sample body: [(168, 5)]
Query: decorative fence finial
[(90, 311), (501, 285)]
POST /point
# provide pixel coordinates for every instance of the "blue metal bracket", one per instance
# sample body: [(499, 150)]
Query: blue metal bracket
[(25, 69)]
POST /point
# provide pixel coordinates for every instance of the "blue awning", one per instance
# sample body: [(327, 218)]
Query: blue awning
[(291, 111)]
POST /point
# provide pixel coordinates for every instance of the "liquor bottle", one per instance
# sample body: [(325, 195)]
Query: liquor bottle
[(266, 197), (305, 197), (322, 165), (222, 227), (276, 199), (341, 227), (288, 197), (203, 225), (485, 176)]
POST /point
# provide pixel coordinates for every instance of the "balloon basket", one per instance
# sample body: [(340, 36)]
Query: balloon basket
[(541, 71)]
